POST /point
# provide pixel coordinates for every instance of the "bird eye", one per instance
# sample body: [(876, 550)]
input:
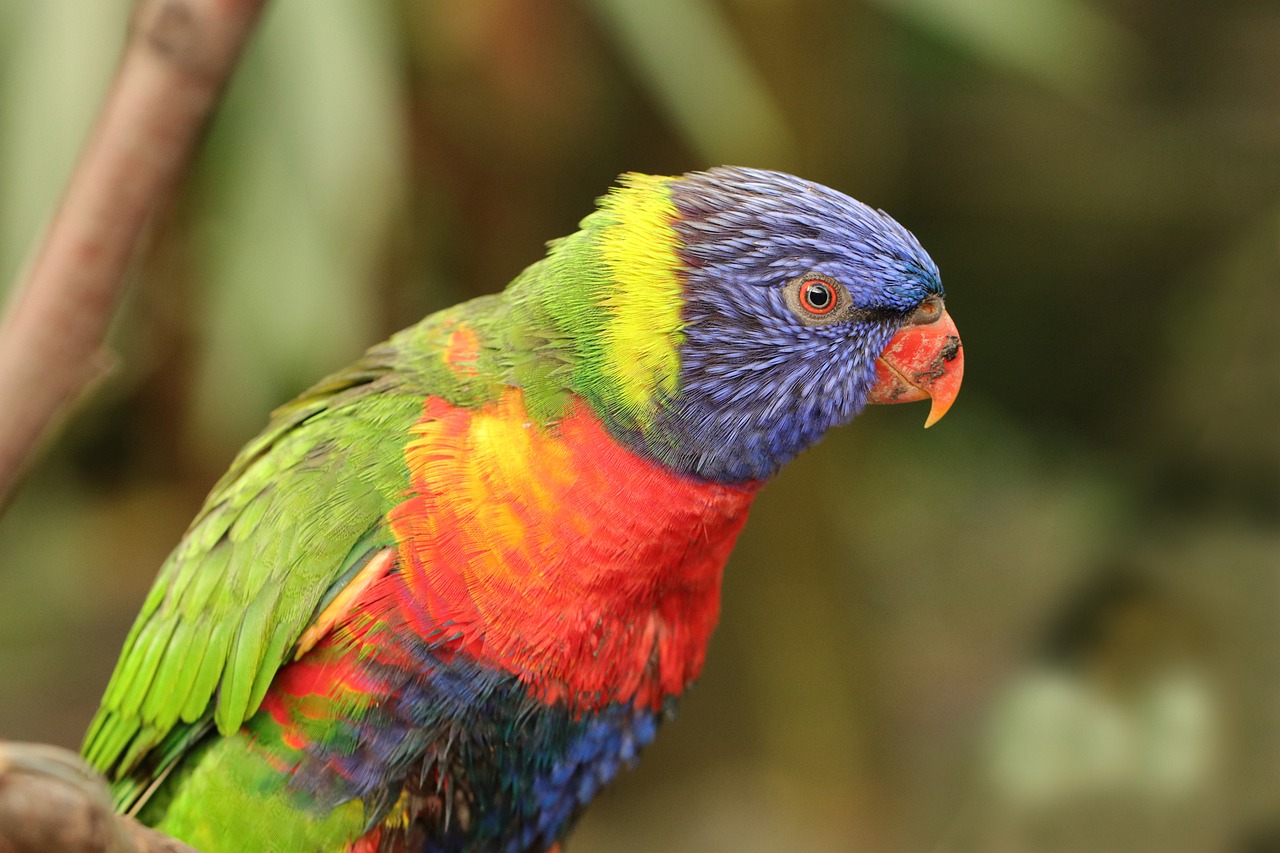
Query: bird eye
[(817, 296), (817, 300)]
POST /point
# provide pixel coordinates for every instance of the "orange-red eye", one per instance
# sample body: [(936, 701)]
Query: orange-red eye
[(817, 296)]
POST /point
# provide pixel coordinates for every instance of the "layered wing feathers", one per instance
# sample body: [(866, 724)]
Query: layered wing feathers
[(275, 535)]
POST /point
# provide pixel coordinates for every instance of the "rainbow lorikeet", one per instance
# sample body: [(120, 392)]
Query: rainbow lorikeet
[(452, 589)]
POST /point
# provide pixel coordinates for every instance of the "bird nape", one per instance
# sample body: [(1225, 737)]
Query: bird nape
[(451, 590)]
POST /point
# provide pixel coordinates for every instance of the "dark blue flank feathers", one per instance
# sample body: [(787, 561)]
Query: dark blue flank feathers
[(460, 735)]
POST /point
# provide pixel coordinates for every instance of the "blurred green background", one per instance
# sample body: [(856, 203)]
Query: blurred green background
[(1050, 623)]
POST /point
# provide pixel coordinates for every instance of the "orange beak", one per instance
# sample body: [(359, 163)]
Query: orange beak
[(919, 362)]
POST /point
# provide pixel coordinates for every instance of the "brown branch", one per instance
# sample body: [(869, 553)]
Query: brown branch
[(51, 801), (175, 63)]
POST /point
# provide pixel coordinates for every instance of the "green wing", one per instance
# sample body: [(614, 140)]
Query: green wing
[(300, 504), (301, 508)]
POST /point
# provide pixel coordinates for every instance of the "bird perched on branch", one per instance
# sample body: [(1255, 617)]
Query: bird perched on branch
[(452, 589)]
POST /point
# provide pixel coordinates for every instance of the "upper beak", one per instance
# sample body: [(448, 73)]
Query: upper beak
[(920, 361)]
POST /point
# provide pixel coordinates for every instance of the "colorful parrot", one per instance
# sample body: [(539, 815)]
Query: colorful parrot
[(452, 589)]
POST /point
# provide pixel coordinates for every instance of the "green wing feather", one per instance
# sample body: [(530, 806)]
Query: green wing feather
[(278, 536)]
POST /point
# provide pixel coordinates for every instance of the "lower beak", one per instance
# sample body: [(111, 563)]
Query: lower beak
[(921, 362)]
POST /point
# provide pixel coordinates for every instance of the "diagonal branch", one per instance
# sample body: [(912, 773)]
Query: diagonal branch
[(178, 57)]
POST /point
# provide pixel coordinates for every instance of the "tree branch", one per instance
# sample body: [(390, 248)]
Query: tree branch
[(176, 61), (178, 57), (51, 801)]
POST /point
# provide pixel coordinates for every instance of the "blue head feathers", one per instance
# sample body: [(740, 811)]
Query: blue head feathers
[(791, 291)]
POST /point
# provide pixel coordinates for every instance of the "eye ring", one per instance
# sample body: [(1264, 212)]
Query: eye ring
[(818, 296)]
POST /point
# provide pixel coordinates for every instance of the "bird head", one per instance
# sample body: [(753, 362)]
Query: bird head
[(725, 320)]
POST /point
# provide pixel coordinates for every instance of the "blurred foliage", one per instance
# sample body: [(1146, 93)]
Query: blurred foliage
[(1050, 623)]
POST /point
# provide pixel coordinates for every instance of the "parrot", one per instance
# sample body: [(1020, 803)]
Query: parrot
[(452, 590)]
